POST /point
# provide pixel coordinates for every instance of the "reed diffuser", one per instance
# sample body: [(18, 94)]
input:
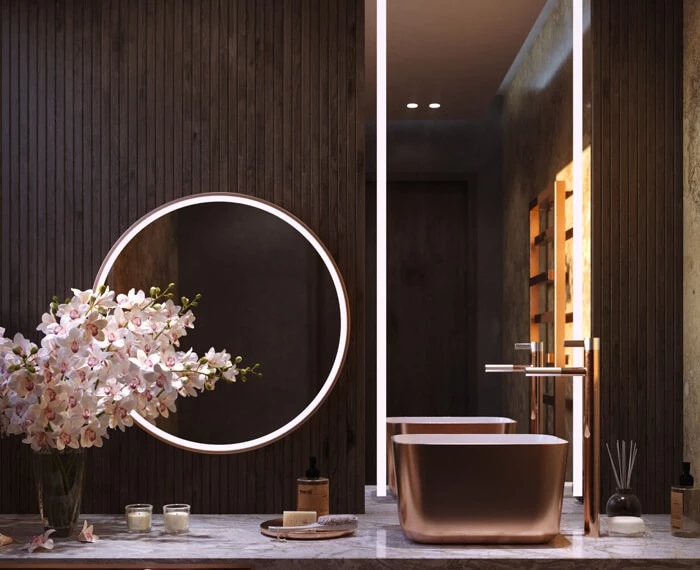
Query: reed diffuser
[(623, 502)]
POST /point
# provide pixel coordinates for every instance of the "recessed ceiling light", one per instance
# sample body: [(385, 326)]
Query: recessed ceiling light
[(412, 105), (434, 105)]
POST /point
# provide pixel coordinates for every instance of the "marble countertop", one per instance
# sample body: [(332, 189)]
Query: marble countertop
[(234, 541)]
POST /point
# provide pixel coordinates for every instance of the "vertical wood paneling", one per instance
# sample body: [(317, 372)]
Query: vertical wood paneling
[(110, 108), (637, 235)]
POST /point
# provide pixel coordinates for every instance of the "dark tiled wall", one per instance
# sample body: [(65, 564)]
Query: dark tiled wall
[(111, 108)]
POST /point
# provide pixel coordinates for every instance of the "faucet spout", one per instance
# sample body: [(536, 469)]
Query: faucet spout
[(536, 349), (506, 367), (553, 372)]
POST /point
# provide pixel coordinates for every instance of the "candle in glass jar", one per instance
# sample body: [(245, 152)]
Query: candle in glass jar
[(176, 518), (138, 517)]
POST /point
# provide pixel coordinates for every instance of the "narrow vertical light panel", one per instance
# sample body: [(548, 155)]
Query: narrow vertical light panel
[(381, 248), (577, 262)]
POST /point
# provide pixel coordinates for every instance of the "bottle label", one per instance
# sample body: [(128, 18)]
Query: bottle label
[(313, 498), (677, 509)]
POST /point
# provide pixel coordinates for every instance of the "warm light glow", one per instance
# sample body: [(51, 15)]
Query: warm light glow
[(577, 246), (434, 105), (381, 248), (208, 198), (412, 105)]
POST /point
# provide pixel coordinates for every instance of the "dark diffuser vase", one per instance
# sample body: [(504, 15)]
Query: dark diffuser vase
[(59, 476), (624, 503)]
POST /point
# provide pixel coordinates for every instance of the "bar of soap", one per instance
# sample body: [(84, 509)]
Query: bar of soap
[(298, 518), (625, 526)]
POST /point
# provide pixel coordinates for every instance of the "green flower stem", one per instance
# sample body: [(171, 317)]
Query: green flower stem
[(64, 469)]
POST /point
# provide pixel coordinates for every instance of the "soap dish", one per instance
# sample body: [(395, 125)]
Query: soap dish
[(302, 534), (626, 526)]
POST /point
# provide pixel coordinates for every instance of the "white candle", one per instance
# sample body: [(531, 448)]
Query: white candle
[(176, 521), (138, 517), (139, 520)]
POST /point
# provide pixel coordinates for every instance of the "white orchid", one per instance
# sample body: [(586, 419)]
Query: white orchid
[(101, 360), (40, 541), (87, 534)]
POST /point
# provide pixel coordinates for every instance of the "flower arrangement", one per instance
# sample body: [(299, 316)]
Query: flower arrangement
[(101, 358)]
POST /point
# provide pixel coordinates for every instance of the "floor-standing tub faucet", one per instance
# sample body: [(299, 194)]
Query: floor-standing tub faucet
[(591, 424)]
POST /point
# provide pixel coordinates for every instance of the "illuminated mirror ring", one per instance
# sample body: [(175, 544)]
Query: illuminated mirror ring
[(338, 284)]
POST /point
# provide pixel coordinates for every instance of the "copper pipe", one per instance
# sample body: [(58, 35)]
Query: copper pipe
[(591, 438)]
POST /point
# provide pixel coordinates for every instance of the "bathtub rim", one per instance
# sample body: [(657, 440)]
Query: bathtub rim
[(457, 420), (477, 439)]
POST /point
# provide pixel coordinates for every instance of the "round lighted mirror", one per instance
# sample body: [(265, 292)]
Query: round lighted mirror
[(271, 292)]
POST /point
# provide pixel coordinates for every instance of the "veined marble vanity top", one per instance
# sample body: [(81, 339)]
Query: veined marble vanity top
[(234, 541)]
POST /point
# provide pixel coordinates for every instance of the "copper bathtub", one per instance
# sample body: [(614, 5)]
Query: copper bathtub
[(480, 489), (439, 424)]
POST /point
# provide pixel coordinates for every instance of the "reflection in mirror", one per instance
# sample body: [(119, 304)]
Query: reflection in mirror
[(503, 74), (267, 294)]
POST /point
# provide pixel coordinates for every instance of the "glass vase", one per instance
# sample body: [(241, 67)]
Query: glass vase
[(623, 503), (60, 478)]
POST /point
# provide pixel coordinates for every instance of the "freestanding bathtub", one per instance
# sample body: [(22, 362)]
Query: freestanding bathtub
[(480, 489), (439, 424)]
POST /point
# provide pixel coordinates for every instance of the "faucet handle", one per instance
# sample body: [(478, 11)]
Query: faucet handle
[(592, 343), (531, 346)]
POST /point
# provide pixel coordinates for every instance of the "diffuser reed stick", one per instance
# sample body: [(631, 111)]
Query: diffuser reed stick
[(625, 463)]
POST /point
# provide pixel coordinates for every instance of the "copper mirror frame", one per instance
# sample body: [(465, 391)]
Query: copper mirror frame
[(338, 284)]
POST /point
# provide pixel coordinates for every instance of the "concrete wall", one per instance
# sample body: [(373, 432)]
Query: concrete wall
[(691, 233)]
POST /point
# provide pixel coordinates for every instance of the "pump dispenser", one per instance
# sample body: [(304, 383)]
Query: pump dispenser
[(312, 491), (312, 472), (686, 479)]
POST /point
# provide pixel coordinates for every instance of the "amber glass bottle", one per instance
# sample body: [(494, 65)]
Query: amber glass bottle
[(312, 491)]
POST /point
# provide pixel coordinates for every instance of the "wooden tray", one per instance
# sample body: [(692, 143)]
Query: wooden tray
[(302, 535)]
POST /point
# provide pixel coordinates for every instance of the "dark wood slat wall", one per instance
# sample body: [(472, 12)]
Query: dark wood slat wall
[(637, 236), (110, 108)]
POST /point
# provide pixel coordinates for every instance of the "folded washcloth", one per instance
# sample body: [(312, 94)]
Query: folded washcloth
[(326, 523)]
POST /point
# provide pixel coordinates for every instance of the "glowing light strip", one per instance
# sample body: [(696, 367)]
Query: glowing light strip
[(381, 248), (207, 198), (577, 262)]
